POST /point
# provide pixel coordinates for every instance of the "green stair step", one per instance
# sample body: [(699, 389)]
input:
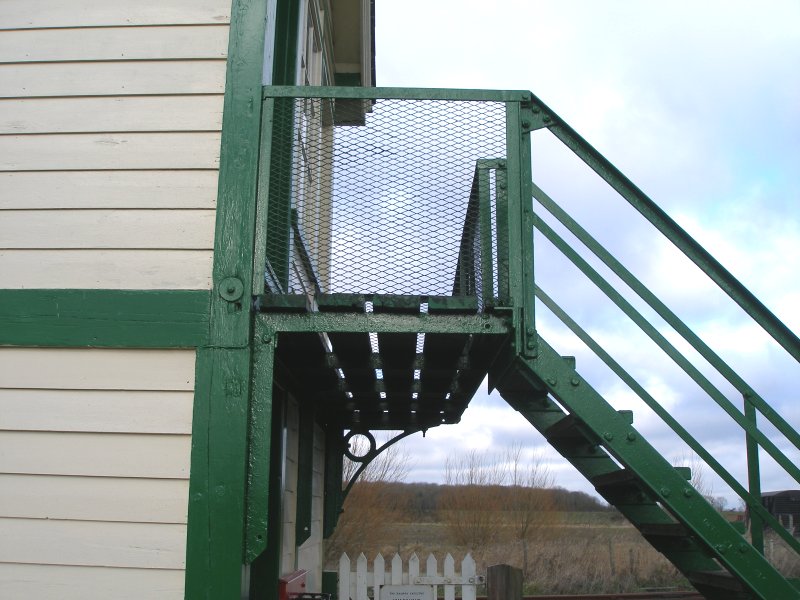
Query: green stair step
[(675, 530), (718, 584)]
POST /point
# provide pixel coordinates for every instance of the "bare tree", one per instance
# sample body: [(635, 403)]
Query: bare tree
[(470, 506), (497, 498), (372, 505), (531, 504)]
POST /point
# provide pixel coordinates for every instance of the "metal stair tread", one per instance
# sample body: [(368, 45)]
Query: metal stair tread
[(675, 530), (717, 579), (619, 478)]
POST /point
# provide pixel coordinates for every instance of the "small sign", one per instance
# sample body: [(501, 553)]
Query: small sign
[(406, 592)]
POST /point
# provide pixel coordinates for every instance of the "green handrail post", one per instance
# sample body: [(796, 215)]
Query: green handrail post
[(519, 123), (753, 478)]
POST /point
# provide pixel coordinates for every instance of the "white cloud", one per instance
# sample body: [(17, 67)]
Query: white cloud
[(699, 104)]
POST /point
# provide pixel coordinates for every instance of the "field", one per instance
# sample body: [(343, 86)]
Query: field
[(576, 553)]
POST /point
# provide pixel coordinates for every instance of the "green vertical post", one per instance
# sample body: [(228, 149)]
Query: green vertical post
[(259, 443), (485, 229), (262, 199), (754, 478), (216, 521), (520, 224), (502, 223), (279, 209)]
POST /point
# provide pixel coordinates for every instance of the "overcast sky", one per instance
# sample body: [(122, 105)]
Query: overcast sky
[(699, 104)]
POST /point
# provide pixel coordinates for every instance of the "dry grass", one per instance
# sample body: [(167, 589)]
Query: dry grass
[(597, 556)]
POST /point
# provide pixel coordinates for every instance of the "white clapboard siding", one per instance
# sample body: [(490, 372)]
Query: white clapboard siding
[(95, 454), (113, 43), (22, 14), (310, 553), (55, 582), (132, 500), (107, 269), (90, 151), (126, 228), (96, 369), (101, 499), (108, 189), (115, 114), (93, 543), (289, 513), (96, 411), (112, 78)]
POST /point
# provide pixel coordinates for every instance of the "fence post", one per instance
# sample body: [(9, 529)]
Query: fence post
[(503, 582)]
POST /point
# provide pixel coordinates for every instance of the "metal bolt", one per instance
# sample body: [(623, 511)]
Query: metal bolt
[(531, 331), (608, 436), (631, 436), (526, 124), (531, 344), (687, 492), (552, 381), (575, 382), (743, 548), (267, 339), (665, 492)]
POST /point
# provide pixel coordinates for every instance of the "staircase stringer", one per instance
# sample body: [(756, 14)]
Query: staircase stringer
[(518, 387), (550, 373)]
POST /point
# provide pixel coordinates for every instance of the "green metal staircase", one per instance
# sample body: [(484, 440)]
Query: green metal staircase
[(386, 346)]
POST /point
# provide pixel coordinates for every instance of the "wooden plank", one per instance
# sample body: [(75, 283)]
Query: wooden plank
[(100, 228), (353, 350), (94, 151), (108, 189), (112, 78), (96, 411), (96, 369), (55, 582), (107, 269), (104, 318), (137, 545), (113, 43), (397, 350), (95, 454), (23, 14), (111, 114), (94, 498)]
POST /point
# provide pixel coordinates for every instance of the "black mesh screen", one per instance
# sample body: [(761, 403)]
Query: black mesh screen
[(372, 196)]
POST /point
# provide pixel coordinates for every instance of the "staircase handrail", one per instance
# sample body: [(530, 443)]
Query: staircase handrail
[(668, 315), (752, 502), (668, 227)]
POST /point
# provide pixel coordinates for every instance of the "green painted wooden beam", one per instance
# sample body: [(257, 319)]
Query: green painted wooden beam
[(387, 93), (104, 318), (219, 463)]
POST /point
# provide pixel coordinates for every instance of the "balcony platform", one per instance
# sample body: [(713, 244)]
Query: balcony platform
[(384, 361)]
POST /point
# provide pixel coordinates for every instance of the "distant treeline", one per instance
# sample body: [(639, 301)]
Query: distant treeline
[(421, 500)]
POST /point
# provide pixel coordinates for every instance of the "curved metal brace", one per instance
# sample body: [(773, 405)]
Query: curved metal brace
[(371, 454)]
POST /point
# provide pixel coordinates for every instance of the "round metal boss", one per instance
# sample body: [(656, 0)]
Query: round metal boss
[(231, 289)]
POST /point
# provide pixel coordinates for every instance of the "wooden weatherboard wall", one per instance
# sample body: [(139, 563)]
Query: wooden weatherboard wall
[(110, 121), (94, 472), (110, 132)]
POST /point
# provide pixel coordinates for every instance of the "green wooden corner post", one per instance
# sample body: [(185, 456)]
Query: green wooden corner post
[(216, 529)]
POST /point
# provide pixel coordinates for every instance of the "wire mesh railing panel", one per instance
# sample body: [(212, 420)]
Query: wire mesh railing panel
[(372, 196)]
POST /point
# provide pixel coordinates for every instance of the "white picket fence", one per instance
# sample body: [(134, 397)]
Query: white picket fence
[(355, 585)]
